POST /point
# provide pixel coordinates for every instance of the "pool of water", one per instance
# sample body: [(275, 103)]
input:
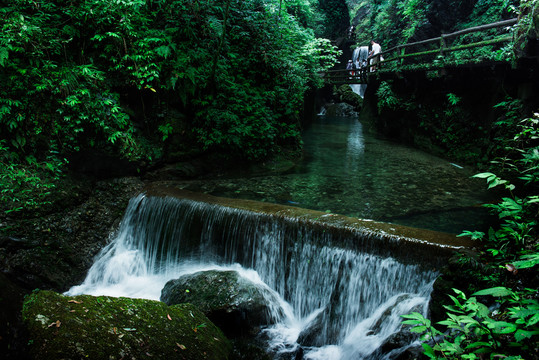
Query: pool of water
[(354, 173)]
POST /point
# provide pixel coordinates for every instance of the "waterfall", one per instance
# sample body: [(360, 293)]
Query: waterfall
[(358, 57), (355, 297)]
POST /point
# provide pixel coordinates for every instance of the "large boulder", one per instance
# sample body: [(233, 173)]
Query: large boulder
[(234, 303), (88, 327), (346, 95)]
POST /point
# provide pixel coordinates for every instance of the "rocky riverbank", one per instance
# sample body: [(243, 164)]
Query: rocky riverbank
[(54, 251)]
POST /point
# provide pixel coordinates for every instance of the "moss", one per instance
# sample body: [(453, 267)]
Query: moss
[(89, 327), (236, 305), (345, 94)]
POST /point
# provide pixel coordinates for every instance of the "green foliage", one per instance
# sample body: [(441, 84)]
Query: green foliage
[(415, 12), (387, 99), (252, 107), (393, 22), (27, 185), (446, 121), (54, 96), (453, 99), (308, 13), (509, 332), (66, 71), (517, 233), (508, 327), (108, 76), (335, 18)]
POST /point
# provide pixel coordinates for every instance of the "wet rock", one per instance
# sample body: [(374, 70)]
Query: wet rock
[(325, 328), (233, 303), (249, 349), (79, 327), (387, 313), (403, 352), (53, 247), (463, 268), (55, 250), (398, 340), (312, 334), (341, 109)]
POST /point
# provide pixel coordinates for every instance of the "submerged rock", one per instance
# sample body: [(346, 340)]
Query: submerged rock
[(232, 302), (341, 109), (88, 327)]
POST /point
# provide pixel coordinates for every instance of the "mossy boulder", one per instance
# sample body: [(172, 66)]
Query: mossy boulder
[(235, 304), (345, 94), (89, 327)]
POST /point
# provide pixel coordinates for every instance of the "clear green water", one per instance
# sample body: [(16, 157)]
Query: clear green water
[(350, 172)]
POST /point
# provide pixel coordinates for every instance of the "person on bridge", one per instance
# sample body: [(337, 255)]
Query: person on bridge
[(350, 66), (351, 30), (374, 56)]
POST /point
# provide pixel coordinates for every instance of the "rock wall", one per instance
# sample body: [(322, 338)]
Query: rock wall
[(449, 112), (55, 250)]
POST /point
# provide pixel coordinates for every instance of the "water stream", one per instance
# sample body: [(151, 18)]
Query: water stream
[(354, 297), (352, 172)]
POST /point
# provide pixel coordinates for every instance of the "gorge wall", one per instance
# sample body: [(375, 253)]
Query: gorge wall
[(449, 112)]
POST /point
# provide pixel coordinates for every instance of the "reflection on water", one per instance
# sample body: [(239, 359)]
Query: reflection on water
[(348, 171)]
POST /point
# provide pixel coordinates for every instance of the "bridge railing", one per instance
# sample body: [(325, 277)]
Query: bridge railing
[(397, 55)]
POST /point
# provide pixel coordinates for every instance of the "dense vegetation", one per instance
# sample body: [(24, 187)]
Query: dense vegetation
[(395, 22), (149, 80), (493, 311)]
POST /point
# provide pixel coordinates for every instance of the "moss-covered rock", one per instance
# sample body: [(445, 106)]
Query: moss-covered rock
[(232, 302), (344, 93), (88, 327)]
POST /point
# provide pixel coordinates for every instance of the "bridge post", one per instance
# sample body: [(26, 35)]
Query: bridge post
[(402, 53), (443, 45)]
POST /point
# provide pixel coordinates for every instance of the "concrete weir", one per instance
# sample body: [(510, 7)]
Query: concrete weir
[(404, 243), (339, 284)]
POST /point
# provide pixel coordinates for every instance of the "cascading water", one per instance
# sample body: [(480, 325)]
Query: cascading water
[(359, 58), (353, 298)]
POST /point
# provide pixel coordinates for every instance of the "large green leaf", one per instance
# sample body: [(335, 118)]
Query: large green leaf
[(495, 291)]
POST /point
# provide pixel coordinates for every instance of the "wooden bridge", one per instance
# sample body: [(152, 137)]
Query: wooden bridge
[(397, 59)]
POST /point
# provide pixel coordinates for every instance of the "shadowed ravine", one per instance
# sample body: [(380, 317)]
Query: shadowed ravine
[(353, 278)]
